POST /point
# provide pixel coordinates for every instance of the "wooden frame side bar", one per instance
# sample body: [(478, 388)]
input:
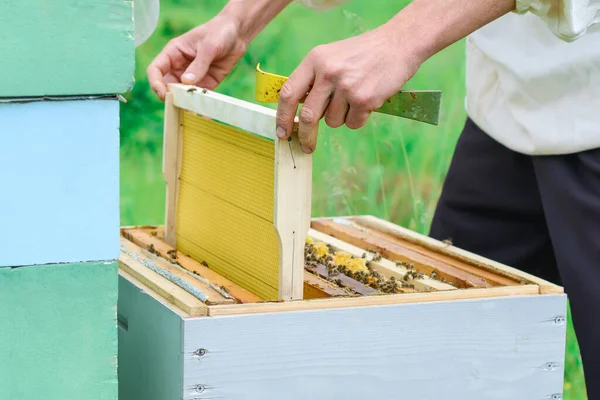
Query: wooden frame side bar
[(293, 191), (171, 165)]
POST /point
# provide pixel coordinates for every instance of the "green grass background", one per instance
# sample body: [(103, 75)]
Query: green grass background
[(391, 168)]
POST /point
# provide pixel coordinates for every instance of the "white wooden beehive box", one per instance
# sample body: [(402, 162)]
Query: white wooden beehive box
[(453, 326)]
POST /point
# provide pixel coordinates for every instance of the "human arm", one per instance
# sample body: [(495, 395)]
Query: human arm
[(205, 55), (349, 79)]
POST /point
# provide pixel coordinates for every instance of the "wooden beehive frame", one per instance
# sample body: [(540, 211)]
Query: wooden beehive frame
[(293, 173), (248, 304)]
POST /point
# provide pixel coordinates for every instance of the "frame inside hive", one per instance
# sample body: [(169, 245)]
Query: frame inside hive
[(238, 198), (472, 276), (388, 250)]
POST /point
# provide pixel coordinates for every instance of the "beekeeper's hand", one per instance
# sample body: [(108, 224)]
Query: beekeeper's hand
[(344, 82), (205, 55)]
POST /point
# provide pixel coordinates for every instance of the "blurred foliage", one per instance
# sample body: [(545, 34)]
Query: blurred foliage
[(391, 168)]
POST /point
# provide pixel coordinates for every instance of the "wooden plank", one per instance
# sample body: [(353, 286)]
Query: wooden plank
[(200, 288), (162, 286), (250, 117), (318, 288), (293, 188), (150, 348), (394, 252), (368, 301), (384, 266), (171, 165), (492, 278), (500, 348), (58, 331), (61, 170), (344, 280), (147, 241), (463, 255), (85, 48), (158, 298)]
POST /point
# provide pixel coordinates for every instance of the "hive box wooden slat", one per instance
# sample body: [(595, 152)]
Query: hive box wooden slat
[(59, 163), (66, 48), (501, 342), (58, 336)]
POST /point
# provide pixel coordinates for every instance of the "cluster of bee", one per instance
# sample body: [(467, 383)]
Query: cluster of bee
[(356, 268), (172, 253)]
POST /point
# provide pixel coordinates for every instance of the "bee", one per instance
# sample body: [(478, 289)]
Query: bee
[(419, 275), (223, 288), (152, 250), (376, 256), (434, 274), (205, 264), (339, 282), (204, 91), (191, 90), (364, 255), (447, 242)]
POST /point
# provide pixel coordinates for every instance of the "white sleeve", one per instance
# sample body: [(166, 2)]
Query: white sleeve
[(321, 5), (567, 19), (145, 18)]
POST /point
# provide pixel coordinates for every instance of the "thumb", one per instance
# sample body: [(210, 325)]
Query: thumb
[(205, 54)]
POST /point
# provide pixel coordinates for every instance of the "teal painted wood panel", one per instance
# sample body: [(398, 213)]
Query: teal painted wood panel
[(58, 332), (150, 342), (58, 47), (59, 174)]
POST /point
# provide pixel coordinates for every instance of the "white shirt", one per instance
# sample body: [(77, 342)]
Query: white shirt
[(533, 76), (145, 17)]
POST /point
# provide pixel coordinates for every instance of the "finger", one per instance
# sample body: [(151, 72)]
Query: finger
[(196, 71), (357, 117), (291, 93), (311, 113), (156, 71), (337, 110), (214, 76)]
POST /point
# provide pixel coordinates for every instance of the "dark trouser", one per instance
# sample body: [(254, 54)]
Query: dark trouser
[(539, 214)]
